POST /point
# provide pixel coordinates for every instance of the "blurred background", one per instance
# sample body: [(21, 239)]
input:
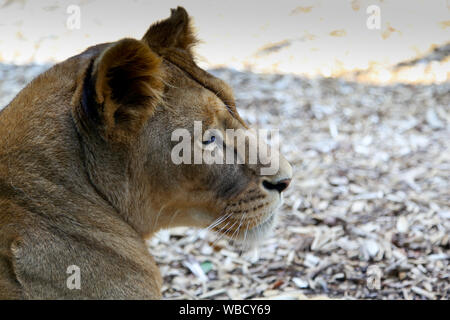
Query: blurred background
[(360, 92), (328, 38)]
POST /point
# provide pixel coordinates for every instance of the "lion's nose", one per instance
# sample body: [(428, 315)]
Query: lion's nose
[(280, 185)]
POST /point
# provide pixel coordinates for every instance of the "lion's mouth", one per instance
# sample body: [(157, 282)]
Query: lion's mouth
[(248, 230)]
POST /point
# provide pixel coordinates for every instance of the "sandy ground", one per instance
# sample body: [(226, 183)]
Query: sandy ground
[(368, 213)]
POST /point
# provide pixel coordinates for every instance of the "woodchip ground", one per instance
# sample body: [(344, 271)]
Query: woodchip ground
[(368, 213)]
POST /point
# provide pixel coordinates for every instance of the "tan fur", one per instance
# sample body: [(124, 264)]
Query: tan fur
[(86, 174)]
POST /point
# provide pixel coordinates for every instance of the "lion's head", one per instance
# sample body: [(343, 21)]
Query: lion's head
[(131, 96)]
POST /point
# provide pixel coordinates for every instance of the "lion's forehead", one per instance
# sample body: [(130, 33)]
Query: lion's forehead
[(176, 61), (196, 94)]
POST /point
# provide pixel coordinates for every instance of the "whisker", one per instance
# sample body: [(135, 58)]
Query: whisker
[(218, 221), (173, 216), (224, 233), (220, 233), (238, 228), (158, 215), (246, 230)]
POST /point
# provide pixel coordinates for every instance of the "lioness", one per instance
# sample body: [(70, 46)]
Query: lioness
[(86, 173)]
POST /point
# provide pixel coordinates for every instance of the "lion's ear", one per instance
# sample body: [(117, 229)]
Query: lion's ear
[(122, 88), (173, 32)]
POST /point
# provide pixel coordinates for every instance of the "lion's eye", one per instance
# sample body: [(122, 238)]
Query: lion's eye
[(211, 140)]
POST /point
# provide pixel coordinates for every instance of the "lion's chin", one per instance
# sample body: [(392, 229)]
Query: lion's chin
[(252, 238)]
